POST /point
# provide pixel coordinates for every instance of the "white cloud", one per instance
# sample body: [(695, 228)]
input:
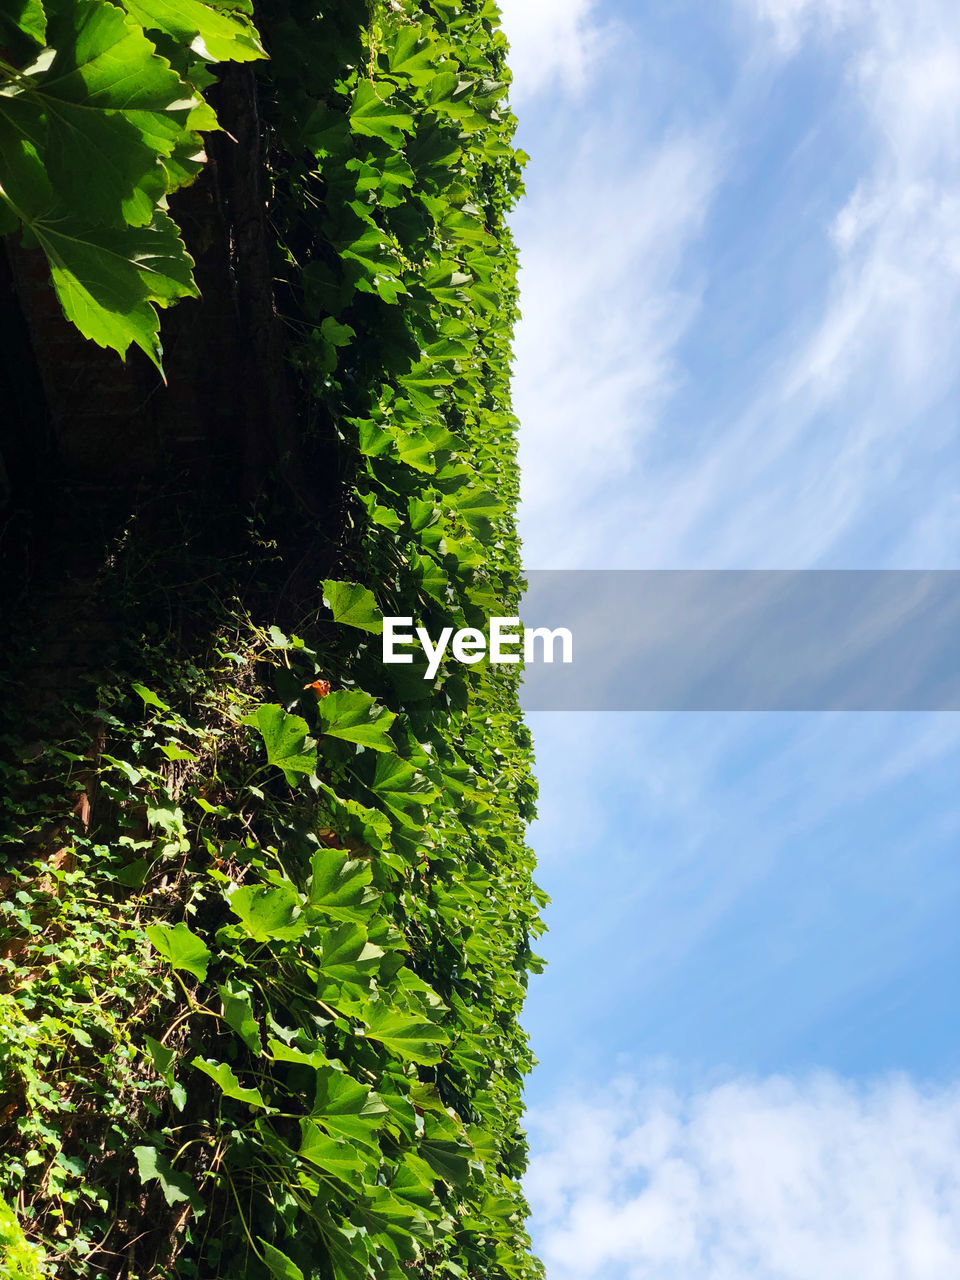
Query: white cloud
[(552, 42), (801, 465), (772, 1179), (603, 309)]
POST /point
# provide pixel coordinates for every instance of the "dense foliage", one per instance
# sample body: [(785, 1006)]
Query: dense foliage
[(270, 1008)]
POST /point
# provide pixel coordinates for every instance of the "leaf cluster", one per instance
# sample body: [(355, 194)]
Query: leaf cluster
[(101, 119)]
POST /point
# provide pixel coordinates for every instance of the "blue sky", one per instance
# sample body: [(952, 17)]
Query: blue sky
[(741, 349)]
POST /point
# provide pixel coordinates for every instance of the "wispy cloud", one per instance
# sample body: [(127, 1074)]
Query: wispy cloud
[(603, 309), (803, 459), (553, 44), (792, 1179)]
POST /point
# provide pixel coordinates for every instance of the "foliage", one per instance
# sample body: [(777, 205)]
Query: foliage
[(19, 1260), (300, 945)]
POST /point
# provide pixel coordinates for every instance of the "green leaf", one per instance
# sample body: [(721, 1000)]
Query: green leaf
[(285, 738), (373, 115), (347, 955), (269, 912), (134, 873), (411, 57), (352, 605), (98, 113), (222, 1074), (163, 1058), (175, 1186), (150, 699), (412, 1038), (451, 1160), (182, 948), (285, 1053), (348, 1109), (331, 1155), (278, 1264), (211, 32), (400, 785), (26, 16), (110, 280), (416, 451), (476, 504), (339, 886), (356, 717), (239, 1015)]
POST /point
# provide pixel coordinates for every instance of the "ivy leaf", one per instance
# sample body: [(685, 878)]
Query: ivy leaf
[(348, 1109), (175, 1186), (331, 1155), (411, 57), (222, 1074), (239, 1015), (27, 16), (347, 1248), (400, 786), (278, 1264), (416, 451), (451, 1160), (110, 279), (347, 955), (84, 110), (209, 31), (353, 605), (373, 115), (414, 1039), (285, 738), (285, 1053), (355, 716), (339, 886), (163, 1059), (269, 912), (149, 698), (474, 505), (182, 948)]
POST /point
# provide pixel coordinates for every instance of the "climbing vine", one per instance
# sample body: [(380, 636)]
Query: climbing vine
[(265, 942)]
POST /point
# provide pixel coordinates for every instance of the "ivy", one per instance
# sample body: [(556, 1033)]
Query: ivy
[(299, 945)]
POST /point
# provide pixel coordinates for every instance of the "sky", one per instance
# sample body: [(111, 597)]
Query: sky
[(740, 280)]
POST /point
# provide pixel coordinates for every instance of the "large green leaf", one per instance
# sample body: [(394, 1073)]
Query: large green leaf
[(401, 786), (26, 16), (278, 1264), (110, 280), (269, 912), (353, 605), (340, 886), (348, 956), (356, 717), (373, 114), (96, 113), (222, 1074), (411, 1037), (212, 31), (286, 740), (412, 57), (239, 1015), (330, 1154), (347, 1109), (181, 947), (176, 1187)]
